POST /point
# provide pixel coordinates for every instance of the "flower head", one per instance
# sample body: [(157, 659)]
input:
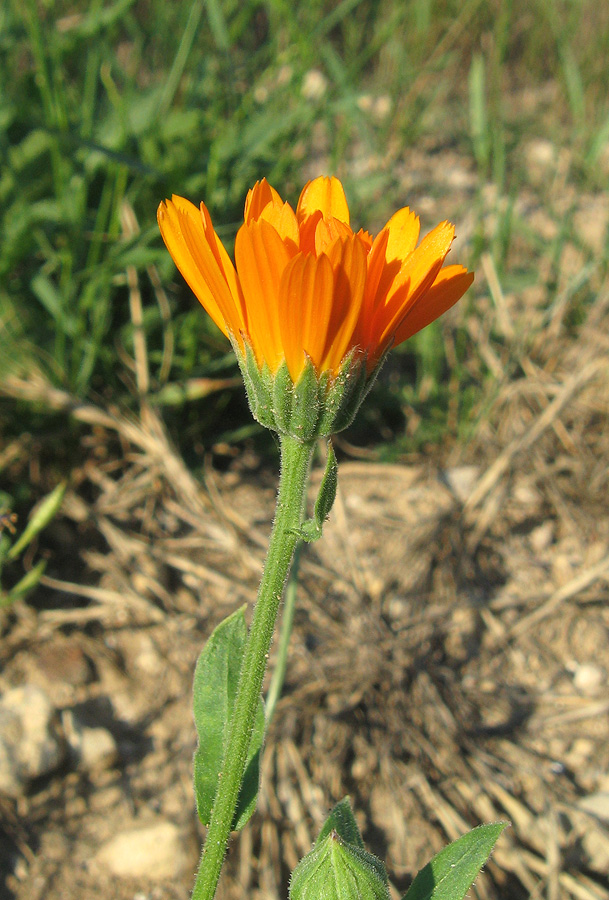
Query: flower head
[(306, 291)]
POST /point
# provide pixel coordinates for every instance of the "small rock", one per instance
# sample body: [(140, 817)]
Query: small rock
[(461, 480), (461, 642), (29, 745), (591, 222), (147, 658), (98, 749), (588, 678), (541, 156), (542, 152), (92, 748), (314, 85), (525, 494), (541, 538), (596, 845), (156, 852)]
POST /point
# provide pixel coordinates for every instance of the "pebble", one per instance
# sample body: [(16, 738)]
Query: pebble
[(92, 748), (588, 678), (29, 744), (156, 852), (542, 537), (98, 749), (461, 480), (541, 156), (596, 846)]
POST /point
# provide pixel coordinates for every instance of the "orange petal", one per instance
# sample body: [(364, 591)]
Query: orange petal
[(283, 219), (184, 234), (222, 258), (327, 232), (390, 250), (305, 310), (450, 285), (376, 294), (348, 260), (308, 227), (366, 239), (257, 198), (324, 194), (415, 277), (423, 264), (404, 228), (261, 257)]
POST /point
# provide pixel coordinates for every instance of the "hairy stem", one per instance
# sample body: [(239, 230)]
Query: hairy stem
[(293, 481)]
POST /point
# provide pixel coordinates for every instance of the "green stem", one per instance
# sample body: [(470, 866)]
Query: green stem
[(287, 621), (293, 481)]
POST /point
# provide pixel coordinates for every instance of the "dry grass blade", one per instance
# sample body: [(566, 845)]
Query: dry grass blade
[(131, 228), (569, 590), (496, 291), (107, 599), (525, 441), (150, 436)]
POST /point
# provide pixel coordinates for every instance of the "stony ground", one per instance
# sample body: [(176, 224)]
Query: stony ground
[(449, 663)]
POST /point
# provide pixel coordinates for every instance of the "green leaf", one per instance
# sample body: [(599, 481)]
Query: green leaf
[(479, 127), (215, 690), (327, 490), (54, 304), (40, 517), (451, 873), (342, 820), (338, 867), (311, 529), (24, 585)]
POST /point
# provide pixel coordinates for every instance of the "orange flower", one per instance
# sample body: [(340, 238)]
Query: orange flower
[(305, 286)]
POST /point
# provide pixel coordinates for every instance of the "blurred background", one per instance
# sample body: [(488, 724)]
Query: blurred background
[(119, 394)]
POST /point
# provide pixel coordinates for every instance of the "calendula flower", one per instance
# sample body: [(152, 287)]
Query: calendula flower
[(306, 291)]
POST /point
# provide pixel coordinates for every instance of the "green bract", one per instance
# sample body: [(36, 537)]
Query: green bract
[(316, 406)]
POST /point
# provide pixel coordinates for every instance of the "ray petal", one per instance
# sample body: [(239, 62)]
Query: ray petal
[(327, 232), (283, 219), (305, 310), (449, 286), (325, 194), (415, 277), (257, 198), (404, 228), (348, 260), (261, 257), (184, 235)]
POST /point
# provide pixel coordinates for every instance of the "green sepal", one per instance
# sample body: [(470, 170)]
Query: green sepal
[(266, 387), (311, 529), (338, 867), (305, 417), (317, 406), (258, 385), (345, 394), (215, 689), (451, 873), (283, 399)]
